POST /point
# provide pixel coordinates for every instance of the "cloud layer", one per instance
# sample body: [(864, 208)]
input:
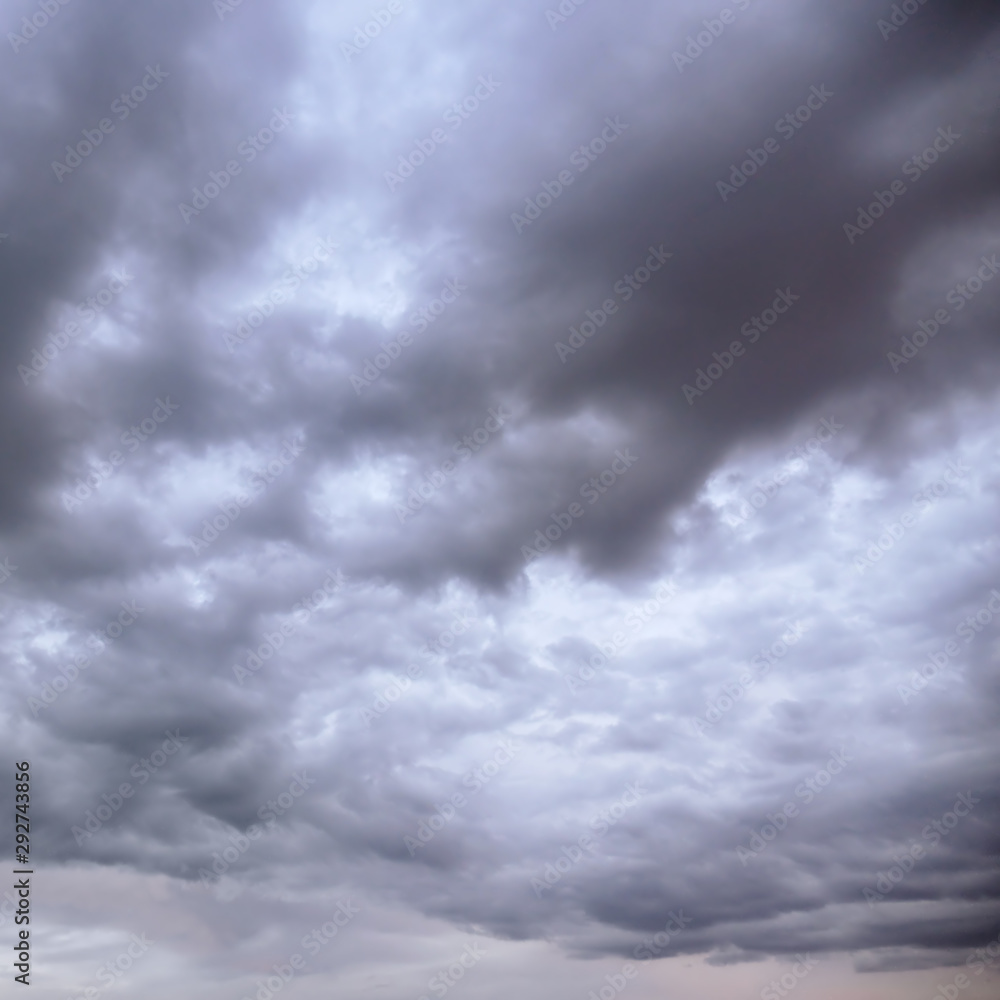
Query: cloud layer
[(536, 471)]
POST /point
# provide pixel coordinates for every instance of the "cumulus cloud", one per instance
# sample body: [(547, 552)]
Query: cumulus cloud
[(527, 474)]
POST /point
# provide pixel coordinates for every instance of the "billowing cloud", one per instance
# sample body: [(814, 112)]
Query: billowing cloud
[(506, 483)]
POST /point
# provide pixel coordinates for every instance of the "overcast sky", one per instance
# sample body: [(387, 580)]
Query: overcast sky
[(513, 485)]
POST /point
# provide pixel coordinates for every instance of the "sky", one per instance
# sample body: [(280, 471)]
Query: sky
[(502, 498)]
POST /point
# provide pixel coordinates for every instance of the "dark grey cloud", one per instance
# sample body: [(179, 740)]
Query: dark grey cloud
[(338, 527)]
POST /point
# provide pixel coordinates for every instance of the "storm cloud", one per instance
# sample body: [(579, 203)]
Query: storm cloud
[(505, 480)]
